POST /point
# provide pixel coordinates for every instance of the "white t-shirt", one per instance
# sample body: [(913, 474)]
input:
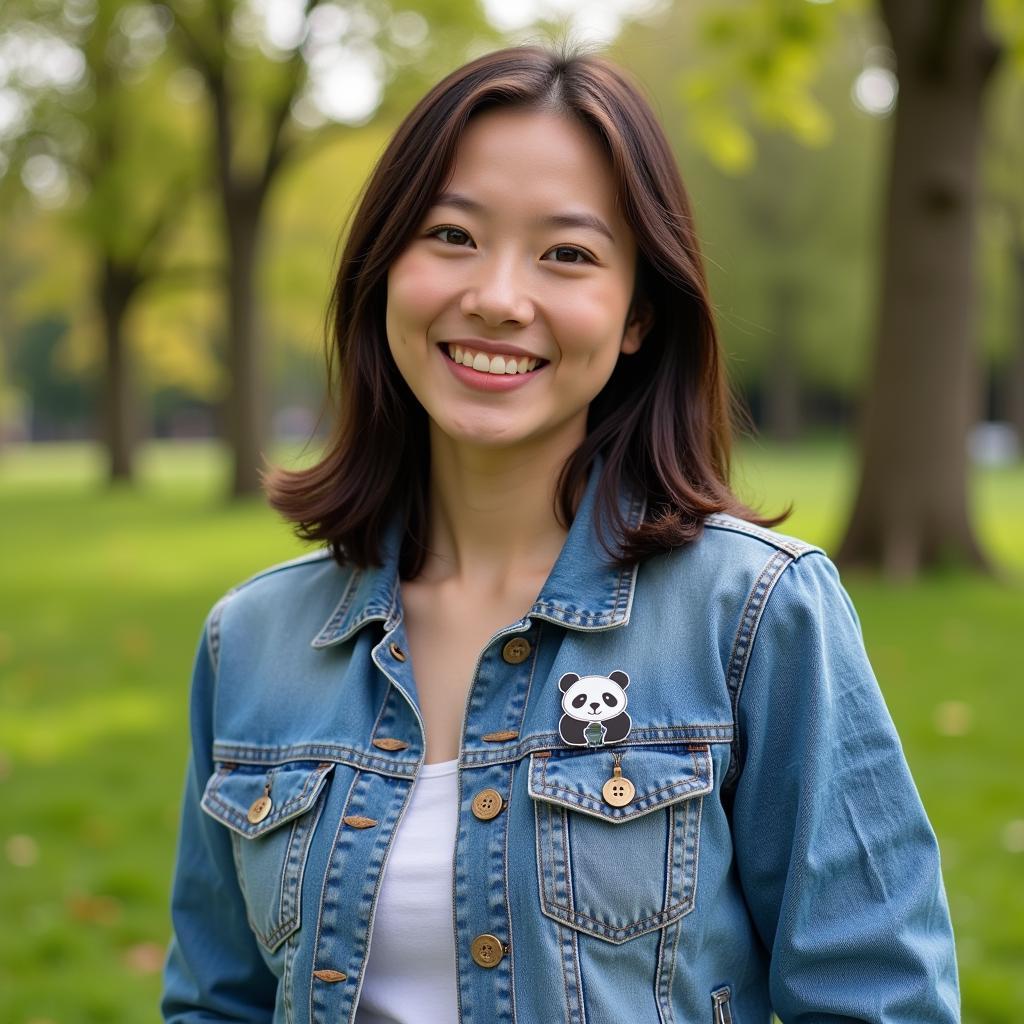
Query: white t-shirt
[(410, 972)]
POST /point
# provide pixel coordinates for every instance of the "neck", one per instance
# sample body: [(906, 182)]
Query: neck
[(492, 513)]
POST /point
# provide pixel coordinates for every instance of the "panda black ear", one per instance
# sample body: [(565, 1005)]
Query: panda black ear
[(619, 677), (567, 680)]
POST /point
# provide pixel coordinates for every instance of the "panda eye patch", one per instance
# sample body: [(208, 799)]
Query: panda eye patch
[(610, 699), (579, 700)]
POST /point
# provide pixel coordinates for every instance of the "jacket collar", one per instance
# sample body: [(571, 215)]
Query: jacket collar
[(583, 591)]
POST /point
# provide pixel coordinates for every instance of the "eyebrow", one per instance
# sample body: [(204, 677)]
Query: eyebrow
[(556, 220)]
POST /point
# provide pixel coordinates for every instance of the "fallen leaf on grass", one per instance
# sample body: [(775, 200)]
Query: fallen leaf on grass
[(144, 958), (91, 909), (953, 718), (22, 851)]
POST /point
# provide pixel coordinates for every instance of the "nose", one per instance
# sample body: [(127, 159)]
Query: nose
[(595, 705), (496, 295)]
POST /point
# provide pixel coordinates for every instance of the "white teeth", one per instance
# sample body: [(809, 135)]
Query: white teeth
[(483, 363)]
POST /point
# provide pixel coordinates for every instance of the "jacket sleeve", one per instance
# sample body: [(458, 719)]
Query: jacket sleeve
[(836, 857), (214, 970)]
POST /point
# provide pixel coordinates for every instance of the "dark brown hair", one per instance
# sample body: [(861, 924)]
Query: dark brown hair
[(664, 419)]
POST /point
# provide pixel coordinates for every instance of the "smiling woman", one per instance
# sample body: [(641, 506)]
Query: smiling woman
[(552, 727)]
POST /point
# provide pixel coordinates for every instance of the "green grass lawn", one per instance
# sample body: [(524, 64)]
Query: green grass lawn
[(103, 596)]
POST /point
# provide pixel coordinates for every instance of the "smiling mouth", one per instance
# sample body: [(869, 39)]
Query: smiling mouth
[(498, 365)]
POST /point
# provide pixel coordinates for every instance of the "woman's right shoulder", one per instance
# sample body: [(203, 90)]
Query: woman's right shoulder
[(298, 587)]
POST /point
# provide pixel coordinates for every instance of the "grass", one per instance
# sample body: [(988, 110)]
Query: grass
[(103, 596)]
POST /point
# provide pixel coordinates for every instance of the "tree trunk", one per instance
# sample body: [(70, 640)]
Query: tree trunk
[(245, 412), (116, 287), (781, 405), (911, 510), (1013, 384)]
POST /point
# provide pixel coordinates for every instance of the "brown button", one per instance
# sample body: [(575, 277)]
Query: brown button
[(487, 804), (618, 790), (259, 809), (516, 651), (359, 821), (389, 743), (396, 652), (330, 976), (487, 950), (500, 737)]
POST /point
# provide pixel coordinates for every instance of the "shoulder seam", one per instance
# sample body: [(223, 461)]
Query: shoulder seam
[(311, 556), (217, 612), (743, 644), (793, 546)]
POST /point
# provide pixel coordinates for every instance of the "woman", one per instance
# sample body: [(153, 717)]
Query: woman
[(571, 732)]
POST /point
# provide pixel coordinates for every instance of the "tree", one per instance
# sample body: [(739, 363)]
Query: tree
[(102, 131), (264, 117), (910, 509)]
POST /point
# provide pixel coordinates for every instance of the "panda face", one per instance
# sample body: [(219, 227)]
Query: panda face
[(594, 699)]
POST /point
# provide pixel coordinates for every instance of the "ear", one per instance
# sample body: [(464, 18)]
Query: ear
[(567, 680), (639, 322), (619, 677)]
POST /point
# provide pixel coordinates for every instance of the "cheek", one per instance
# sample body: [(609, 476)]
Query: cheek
[(590, 325), (416, 291)]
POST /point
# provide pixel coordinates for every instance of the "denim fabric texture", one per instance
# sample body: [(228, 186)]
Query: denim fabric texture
[(775, 855)]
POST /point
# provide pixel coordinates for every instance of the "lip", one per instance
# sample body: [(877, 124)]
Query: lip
[(487, 381), (495, 348)]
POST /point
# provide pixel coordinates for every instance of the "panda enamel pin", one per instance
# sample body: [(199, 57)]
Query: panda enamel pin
[(594, 709)]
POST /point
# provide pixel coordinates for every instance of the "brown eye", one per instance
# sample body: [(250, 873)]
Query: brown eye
[(571, 250), (457, 232)]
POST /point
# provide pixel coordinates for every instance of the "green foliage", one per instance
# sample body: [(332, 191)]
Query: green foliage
[(103, 600)]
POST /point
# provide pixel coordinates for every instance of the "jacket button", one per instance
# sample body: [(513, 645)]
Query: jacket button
[(259, 809), (330, 976), (487, 804), (396, 652), (487, 950), (516, 651)]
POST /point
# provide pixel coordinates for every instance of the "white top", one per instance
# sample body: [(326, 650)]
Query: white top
[(410, 971)]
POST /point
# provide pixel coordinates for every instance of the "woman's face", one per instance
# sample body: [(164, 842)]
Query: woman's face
[(524, 261)]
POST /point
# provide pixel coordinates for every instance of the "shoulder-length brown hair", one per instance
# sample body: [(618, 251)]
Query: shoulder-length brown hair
[(664, 419)]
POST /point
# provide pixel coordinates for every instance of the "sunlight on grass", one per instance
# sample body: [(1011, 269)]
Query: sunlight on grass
[(103, 597), (52, 733)]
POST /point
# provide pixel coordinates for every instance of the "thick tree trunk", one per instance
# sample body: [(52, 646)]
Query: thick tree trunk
[(120, 413), (911, 509)]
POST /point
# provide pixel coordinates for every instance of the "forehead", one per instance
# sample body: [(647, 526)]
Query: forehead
[(521, 163)]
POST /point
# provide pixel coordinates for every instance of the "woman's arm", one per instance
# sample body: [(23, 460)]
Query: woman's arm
[(836, 856), (214, 970)]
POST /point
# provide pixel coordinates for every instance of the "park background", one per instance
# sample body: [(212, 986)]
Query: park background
[(174, 180)]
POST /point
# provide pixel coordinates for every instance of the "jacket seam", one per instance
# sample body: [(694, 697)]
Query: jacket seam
[(743, 644)]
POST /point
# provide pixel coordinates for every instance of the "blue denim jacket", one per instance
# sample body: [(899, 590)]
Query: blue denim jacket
[(767, 852)]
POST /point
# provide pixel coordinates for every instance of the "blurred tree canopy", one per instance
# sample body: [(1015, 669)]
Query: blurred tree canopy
[(171, 150)]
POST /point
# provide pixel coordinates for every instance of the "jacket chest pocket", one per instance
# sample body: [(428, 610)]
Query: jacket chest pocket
[(616, 872), (272, 812)]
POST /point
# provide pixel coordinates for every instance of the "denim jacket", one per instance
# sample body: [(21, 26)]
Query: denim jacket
[(753, 843)]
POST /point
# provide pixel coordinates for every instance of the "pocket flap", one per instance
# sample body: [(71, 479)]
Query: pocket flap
[(661, 775), (233, 790)]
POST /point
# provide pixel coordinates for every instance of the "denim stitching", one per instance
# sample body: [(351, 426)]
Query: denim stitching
[(340, 609), (257, 755), (792, 546), (743, 643), (323, 889), (675, 908), (508, 905)]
